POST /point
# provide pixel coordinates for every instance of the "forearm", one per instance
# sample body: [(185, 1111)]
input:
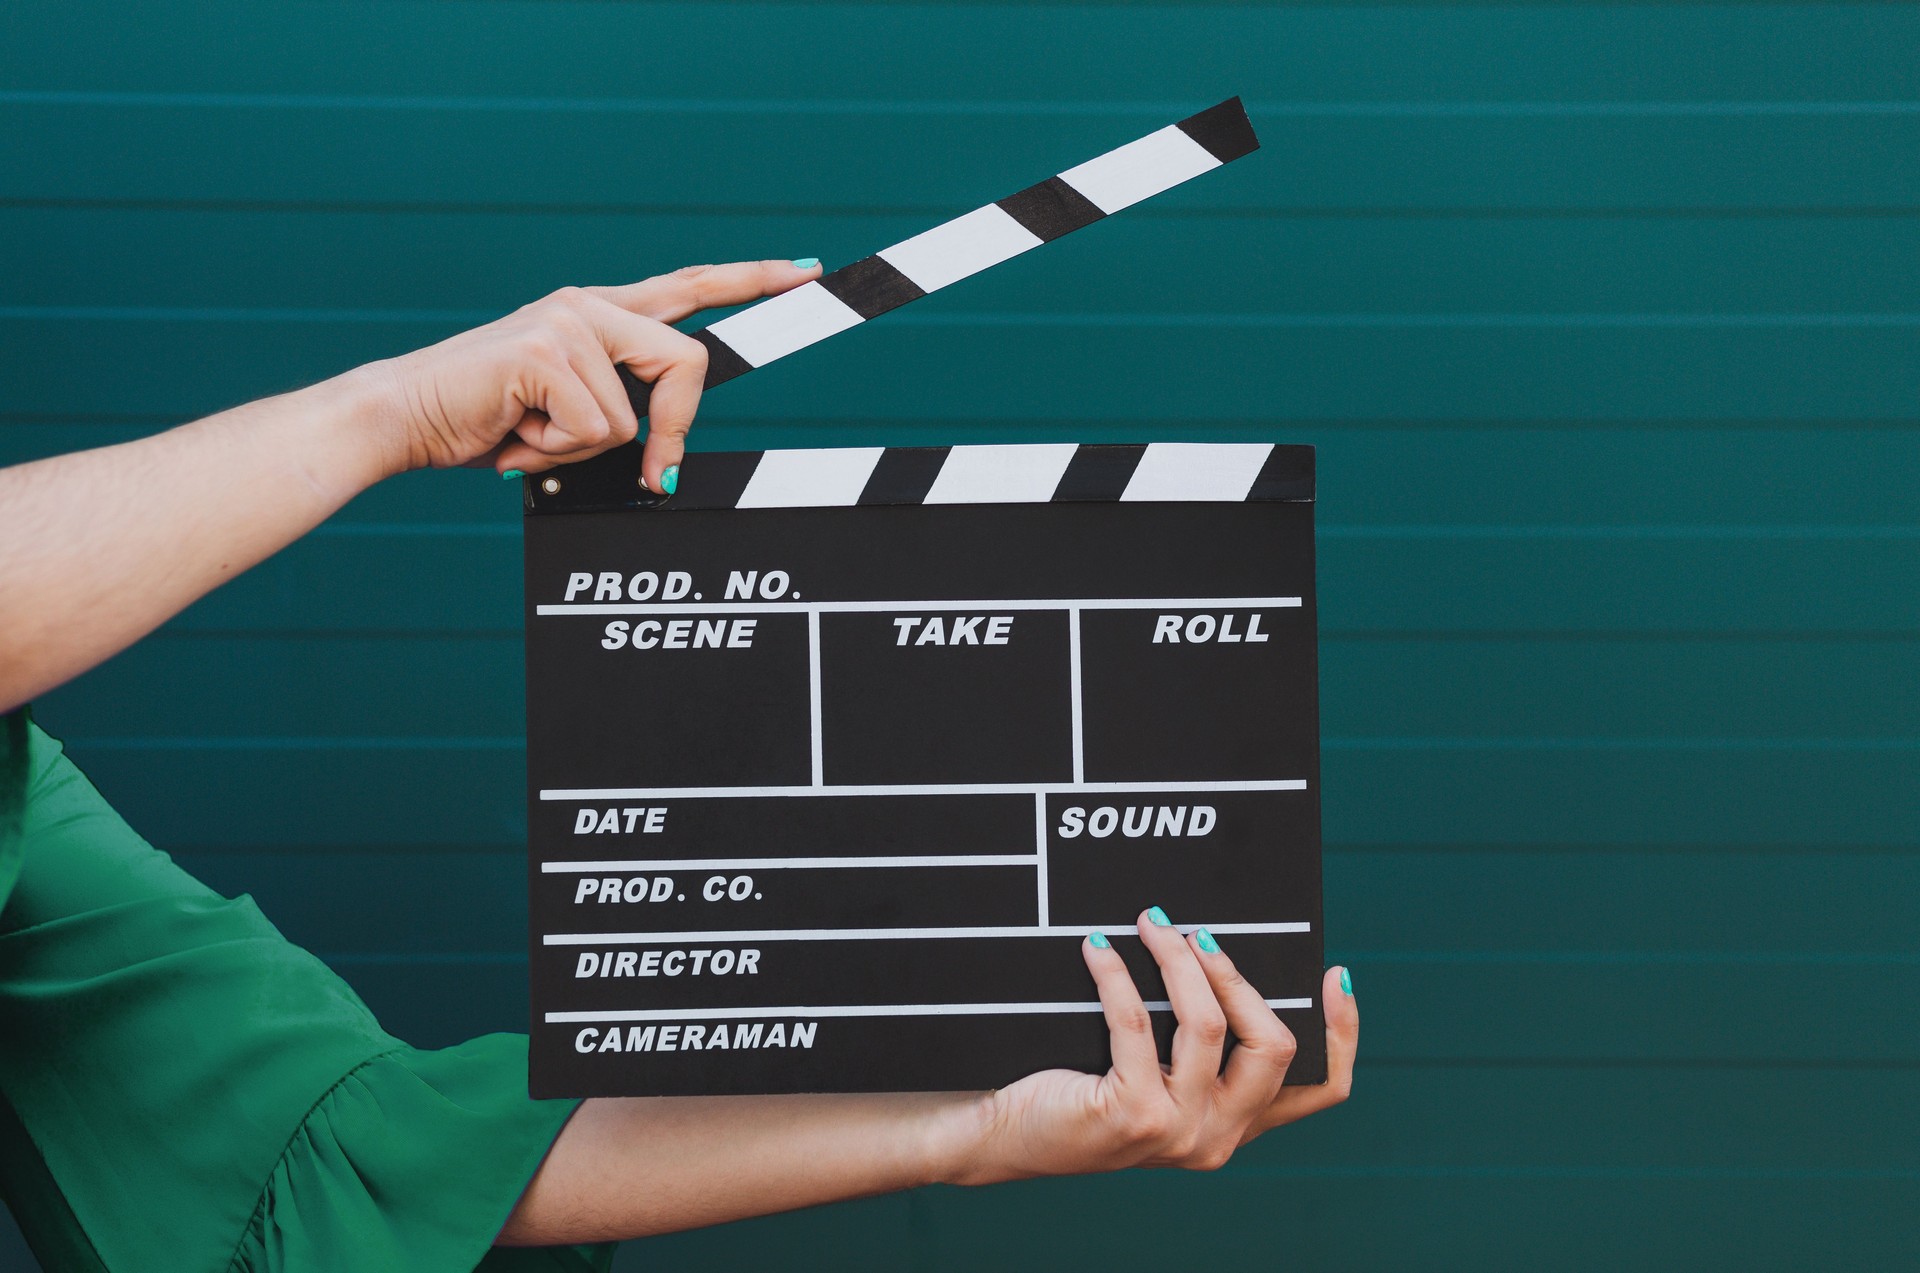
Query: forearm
[(100, 547), (630, 1168)]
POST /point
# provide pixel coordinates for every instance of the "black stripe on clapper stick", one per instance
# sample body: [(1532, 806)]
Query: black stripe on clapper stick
[(870, 287)]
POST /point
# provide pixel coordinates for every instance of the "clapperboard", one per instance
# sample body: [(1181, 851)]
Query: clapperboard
[(837, 755)]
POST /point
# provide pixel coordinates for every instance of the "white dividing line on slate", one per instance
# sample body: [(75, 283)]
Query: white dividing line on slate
[(890, 934), (925, 789), (1040, 854), (654, 866), (864, 1010), (903, 607), (1073, 689), (817, 747)]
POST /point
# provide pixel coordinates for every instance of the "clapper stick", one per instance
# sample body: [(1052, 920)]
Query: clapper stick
[(969, 244)]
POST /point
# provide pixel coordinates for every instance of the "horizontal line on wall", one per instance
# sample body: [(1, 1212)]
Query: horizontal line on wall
[(1632, 636), (1633, 958), (1730, 849), (1172, 212), (412, 742), (907, 430), (234, 314), (432, 959), (1520, 1172), (1275, 212), (1619, 744), (296, 742), (1734, 532), (1273, 109), (479, 632), (451, 530), (1791, 1064), (512, 530)]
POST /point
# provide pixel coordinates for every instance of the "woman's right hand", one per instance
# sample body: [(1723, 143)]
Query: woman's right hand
[(1140, 1113), (539, 387)]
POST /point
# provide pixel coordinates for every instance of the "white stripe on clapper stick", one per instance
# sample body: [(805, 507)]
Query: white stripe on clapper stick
[(1002, 474), (963, 246), (793, 320), (1197, 471), (827, 477), (1140, 169)]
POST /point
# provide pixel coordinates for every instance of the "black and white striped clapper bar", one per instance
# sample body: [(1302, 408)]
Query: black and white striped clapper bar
[(969, 244), (837, 756)]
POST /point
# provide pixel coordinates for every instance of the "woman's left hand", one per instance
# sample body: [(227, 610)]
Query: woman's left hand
[(1192, 1113)]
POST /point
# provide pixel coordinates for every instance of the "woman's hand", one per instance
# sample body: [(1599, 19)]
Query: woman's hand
[(1142, 1114), (627, 1168), (114, 542), (539, 387)]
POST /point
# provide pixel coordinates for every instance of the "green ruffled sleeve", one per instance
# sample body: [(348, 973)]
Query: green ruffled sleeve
[(411, 1162)]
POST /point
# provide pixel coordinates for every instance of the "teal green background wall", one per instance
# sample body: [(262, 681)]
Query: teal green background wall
[(1604, 322)]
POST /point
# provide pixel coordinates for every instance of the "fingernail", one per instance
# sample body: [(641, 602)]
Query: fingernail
[(1158, 917), (513, 475), (1098, 941), (1205, 941), (670, 480), (806, 263), (1346, 982)]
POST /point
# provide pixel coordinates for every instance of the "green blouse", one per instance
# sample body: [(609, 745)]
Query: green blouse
[(182, 1088)]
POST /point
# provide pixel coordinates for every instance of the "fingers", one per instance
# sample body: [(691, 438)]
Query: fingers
[(670, 411), (1265, 1049), (673, 364), (597, 373), (576, 406), (1343, 1043), (564, 417), (1343, 1032), (1136, 1060), (1202, 1033), (672, 297)]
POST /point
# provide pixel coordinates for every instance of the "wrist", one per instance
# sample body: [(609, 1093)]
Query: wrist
[(955, 1140), (355, 429)]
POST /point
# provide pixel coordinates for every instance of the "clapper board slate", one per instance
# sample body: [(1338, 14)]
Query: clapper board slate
[(837, 755)]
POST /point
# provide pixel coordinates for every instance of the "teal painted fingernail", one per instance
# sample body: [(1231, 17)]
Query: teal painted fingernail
[(1346, 981), (1098, 941), (670, 480), (806, 263), (513, 475), (1159, 917), (1205, 941)]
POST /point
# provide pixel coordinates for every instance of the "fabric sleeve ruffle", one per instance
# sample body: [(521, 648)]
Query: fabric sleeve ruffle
[(412, 1162)]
